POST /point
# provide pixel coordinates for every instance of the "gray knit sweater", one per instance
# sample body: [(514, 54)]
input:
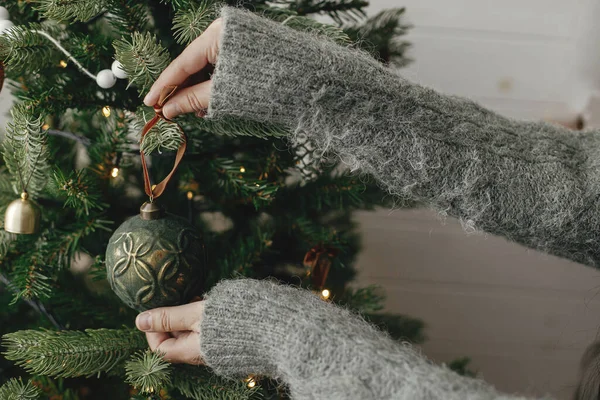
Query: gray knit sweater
[(533, 183)]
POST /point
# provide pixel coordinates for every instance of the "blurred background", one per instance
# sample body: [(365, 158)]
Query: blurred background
[(523, 318)]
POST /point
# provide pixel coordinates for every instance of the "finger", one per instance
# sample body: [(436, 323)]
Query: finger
[(191, 99), (169, 319), (185, 349), (154, 339), (202, 51)]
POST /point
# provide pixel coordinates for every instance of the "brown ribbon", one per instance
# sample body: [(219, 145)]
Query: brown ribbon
[(159, 188), (319, 260), (1, 75)]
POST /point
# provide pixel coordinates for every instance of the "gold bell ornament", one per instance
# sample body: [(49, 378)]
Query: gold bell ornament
[(22, 216)]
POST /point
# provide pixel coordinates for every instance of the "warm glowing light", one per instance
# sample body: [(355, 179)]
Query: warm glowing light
[(242, 170), (45, 126), (106, 111), (325, 294), (115, 172), (250, 382), (153, 187), (190, 195), (63, 63)]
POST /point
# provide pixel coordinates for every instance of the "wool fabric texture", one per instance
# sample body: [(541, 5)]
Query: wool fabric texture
[(534, 183)]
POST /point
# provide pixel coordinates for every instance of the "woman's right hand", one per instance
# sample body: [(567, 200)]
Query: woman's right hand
[(201, 52)]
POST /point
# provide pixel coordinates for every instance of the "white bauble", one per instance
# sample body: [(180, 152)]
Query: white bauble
[(5, 25), (106, 79), (117, 70), (4, 15)]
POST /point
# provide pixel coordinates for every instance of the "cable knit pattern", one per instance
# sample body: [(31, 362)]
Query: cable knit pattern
[(533, 183), (321, 351)]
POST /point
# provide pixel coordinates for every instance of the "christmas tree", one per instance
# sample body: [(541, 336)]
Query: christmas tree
[(251, 205)]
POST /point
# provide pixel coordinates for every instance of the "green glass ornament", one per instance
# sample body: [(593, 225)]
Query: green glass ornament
[(155, 259)]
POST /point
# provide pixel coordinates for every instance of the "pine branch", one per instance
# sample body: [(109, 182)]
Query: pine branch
[(231, 180), (163, 136), (234, 127), (31, 277), (71, 10), (199, 383), (148, 372), (300, 23), (244, 253), (36, 305), (128, 16), (15, 389), (188, 24), (364, 300), (143, 58), (60, 245), (338, 10), (380, 34), (72, 353), (24, 150), (23, 51), (80, 190)]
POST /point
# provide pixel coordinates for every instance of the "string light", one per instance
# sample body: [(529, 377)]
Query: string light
[(106, 111), (242, 170), (190, 195), (325, 294), (63, 64), (45, 127), (250, 382), (115, 172)]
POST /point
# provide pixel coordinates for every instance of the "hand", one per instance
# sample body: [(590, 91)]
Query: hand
[(201, 52), (174, 331)]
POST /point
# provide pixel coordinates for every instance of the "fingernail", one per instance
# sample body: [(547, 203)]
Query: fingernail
[(143, 321), (171, 110), (148, 97)]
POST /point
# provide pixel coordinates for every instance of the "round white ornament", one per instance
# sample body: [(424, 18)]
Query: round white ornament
[(5, 25), (4, 15), (117, 69), (106, 79)]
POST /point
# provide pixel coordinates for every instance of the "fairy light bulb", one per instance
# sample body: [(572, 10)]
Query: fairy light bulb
[(242, 170), (250, 382), (106, 111), (63, 64), (45, 127), (190, 195), (115, 172), (325, 293)]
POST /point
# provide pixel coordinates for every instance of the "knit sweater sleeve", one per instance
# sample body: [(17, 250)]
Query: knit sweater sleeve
[(321, 351), (532, 182)]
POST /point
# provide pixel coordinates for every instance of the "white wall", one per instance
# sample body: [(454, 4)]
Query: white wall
[(524, 318), (525, 58)]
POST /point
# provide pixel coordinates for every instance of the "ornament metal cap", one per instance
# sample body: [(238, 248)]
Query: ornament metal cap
[(22, 216), (150, 210)]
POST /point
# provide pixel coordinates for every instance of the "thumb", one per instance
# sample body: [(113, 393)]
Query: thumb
[(191, 99), (171, 319)]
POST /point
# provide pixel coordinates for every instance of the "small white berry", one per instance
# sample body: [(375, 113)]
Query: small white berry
[(117, 69), (106, 79), (4, 15), (5, 25)]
